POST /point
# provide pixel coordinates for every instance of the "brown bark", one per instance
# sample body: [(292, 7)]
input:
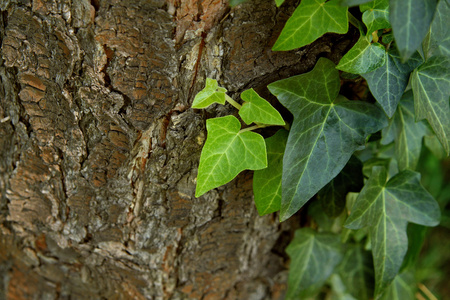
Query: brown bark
[(99, 149)]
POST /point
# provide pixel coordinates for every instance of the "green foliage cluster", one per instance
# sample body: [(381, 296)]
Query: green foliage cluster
[(367, 188)]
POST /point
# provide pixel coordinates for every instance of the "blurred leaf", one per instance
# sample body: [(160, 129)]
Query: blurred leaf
[(257, 109), (416, 237), (410, 20), (386, 207), (235, 2), (431, 87), (435, 146), (437, 41), (267, 182), (388, 83), (402, 288), (363, 57), (310, 20), (313, 259), (279, 2), (353, 2)]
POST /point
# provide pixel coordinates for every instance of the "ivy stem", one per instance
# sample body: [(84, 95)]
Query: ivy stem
[(253, 128), (355, 22), (232, 102)]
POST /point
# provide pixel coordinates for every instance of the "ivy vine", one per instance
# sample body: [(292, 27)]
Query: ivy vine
[(369, 195)]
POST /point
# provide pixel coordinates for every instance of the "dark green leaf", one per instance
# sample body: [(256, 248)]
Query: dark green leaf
[(410, 20), (256, 109), (267, 182), (356, 271), (388, 82), (313, 259), (310, 20), (386, 207), (407, 134), (431, 87), (227, 152), (212, 93), (416, 237), (437, 41), (376, 15), (332, 196), (432, 143), (364, 57), (326, 131), (402, 288)]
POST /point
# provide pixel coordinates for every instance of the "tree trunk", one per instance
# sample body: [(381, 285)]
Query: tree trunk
[(99, 149)]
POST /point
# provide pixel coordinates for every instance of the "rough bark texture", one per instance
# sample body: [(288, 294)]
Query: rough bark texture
[(99, 149)]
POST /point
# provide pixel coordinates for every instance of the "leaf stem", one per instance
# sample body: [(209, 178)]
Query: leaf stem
[(232, 102), (355, 22), (253, 128)]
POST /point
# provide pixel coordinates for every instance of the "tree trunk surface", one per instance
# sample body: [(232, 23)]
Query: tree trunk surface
[(99, 149)]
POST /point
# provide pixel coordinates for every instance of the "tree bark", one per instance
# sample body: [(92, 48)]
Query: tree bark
[(99, 149)]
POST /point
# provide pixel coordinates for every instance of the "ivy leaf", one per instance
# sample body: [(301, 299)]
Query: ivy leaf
[(364, 57), (279, 2), (310, 20), (410, 20), (313, 258), (376, 15), (257, 109), (406, 134), (356, 271), (431, 87), (212, 93), (437, 41), (386, 207), (388, 82), (353, 2), (227, 152), (267, 182), (325, 132), (350, 179), (401, 288)]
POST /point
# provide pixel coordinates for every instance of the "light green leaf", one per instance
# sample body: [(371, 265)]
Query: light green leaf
[(212, 93), (437, 41), (364, 57), (313, 259), (279, 2), (332, 196), (431, 87), (410, 20), (227, 152), (376, 15), (386, 207), (258, 110), (325, 132), (310, 20), (388, 82), (407, 134), (267, 182), (353, 2), (402, 288), (356, 271)]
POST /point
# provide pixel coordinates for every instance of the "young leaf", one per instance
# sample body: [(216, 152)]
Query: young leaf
[(227, 152), (364, 57), (279, 2), (356, 271), (350, 179), (431, 87), (267, 182), (326, 131), (410, 20), (256, 109), (386, 207), (313, 259), (401, 288), (376, 15), (212, 93), (388, 82), (407, 134), (310, 20), (437, 41)]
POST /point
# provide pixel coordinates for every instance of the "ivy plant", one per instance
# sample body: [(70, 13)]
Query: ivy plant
[(353, 160)]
